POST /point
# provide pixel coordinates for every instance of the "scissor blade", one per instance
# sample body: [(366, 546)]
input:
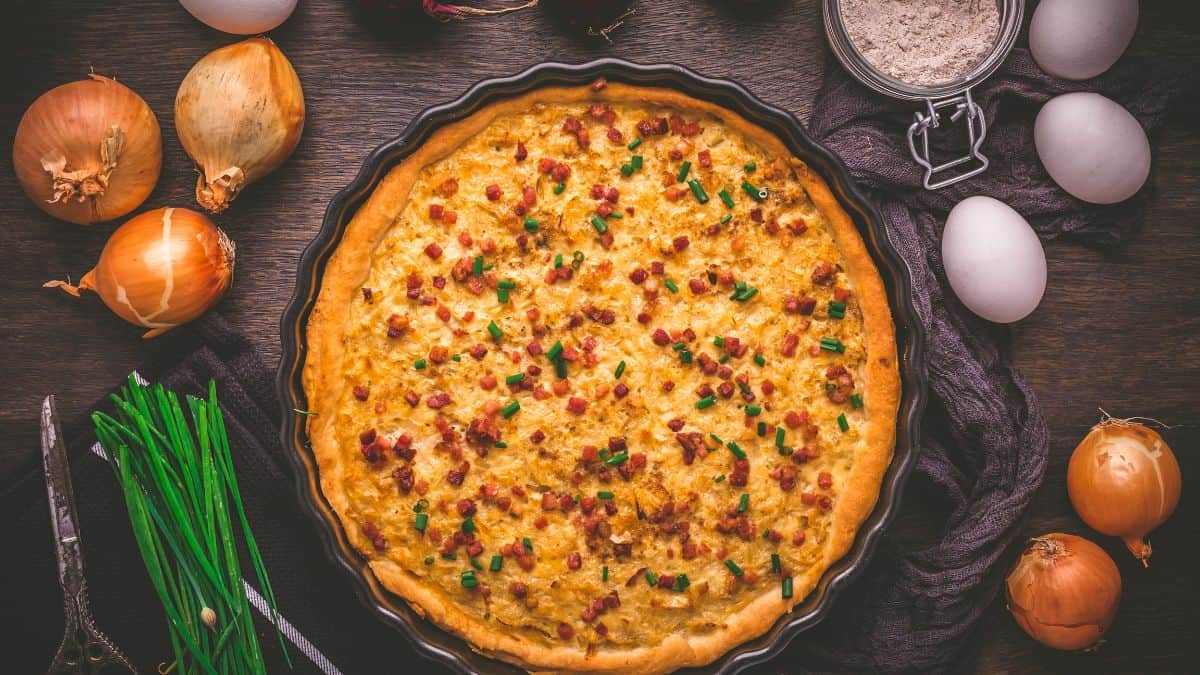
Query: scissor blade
[(62, 501)]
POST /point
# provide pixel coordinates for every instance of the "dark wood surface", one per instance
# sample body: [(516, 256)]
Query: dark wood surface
[(1117, 329)]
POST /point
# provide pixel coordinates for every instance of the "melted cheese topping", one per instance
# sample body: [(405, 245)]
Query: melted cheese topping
[(555, 526)]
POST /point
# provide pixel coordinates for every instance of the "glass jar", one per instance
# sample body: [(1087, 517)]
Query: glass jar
[(953, 96)]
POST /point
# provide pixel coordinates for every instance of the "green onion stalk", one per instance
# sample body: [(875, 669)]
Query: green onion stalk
[(176, 472)]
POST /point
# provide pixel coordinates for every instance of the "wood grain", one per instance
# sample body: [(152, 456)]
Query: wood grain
[(1119, 329)]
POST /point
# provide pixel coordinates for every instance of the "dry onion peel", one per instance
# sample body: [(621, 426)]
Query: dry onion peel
[(88, 151), (239, 114), (1064, 591), (160, 269), (1124, 481)]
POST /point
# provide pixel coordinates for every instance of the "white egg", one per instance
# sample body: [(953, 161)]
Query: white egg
[(1078, 39), (241, 17), (1092, 147), (993, 260)]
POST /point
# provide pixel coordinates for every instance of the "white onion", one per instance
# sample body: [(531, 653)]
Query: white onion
[(240, 17)]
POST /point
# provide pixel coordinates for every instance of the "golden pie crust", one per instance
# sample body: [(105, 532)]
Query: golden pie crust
[(597, 485)]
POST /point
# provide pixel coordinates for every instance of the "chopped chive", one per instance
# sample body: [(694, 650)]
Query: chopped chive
[(750, 167), (856, 400), (717, 439), (724, 195), (776, 564), (429, 560), (469, 580), (558, 189), (753, 410), (502, 295), (743, 502), (620, 370), (843, 423), (837, 309), (651, 578), (468, 526), (617, 459), (497, 563), (724, 358), (506, 283), (671, 286), (681, 583), (719, 341), (758, 194), (832, 345), (744, 294), (679, 346), (634, 144), (494, 330), (719, 478), (604, 494), (560, 369), (740, 286), (500, 444), (706, 402), (761, 428), (577, 259), (733, 567), (510, 409), (599, 224), (531, 224), (421, 505), (636, 161), (760, 359), (736, 450), (627, 170), (698, 191), (786, 587), (527, 543), (421, 521), (683, 172), (558, 261), (457, 358), (779, 433), (743, 386), (514, 378), (449, 556), (604, 573), (477, 266), (419, 364), (726, 218), (476, 565), (555, 351), (685, 357)]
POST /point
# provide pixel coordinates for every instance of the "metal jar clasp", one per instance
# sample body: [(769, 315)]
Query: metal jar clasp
[(928, 119)]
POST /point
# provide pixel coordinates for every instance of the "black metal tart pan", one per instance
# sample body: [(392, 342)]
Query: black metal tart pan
[(431, 641)]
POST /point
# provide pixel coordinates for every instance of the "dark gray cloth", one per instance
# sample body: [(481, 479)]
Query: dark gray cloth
[(984, 440)]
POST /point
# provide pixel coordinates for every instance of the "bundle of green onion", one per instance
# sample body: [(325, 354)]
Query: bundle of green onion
[(182, 495)]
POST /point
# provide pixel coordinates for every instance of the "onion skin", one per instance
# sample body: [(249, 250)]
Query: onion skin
[(1064, 591), (239, 113), (88, 151), (161, 269), (1124, 481)]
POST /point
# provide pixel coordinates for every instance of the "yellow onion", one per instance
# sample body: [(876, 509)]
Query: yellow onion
[(160, 269), (1124, 481), (88, 151), (239, 114), (1064, 591)]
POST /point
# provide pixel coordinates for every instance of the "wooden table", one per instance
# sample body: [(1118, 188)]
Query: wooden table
[(1117, 329)]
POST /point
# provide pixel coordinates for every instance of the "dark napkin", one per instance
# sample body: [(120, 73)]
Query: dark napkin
[(983, 440), (316, 598)]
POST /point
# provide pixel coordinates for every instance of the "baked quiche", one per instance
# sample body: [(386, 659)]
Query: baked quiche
[(604, 380)]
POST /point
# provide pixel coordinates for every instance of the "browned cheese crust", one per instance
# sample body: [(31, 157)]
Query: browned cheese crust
[(402, 403)]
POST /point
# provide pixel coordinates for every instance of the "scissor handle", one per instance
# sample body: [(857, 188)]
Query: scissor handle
[(85, 650)]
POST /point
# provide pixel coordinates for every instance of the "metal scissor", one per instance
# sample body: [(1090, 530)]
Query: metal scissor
[(84, 649)]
